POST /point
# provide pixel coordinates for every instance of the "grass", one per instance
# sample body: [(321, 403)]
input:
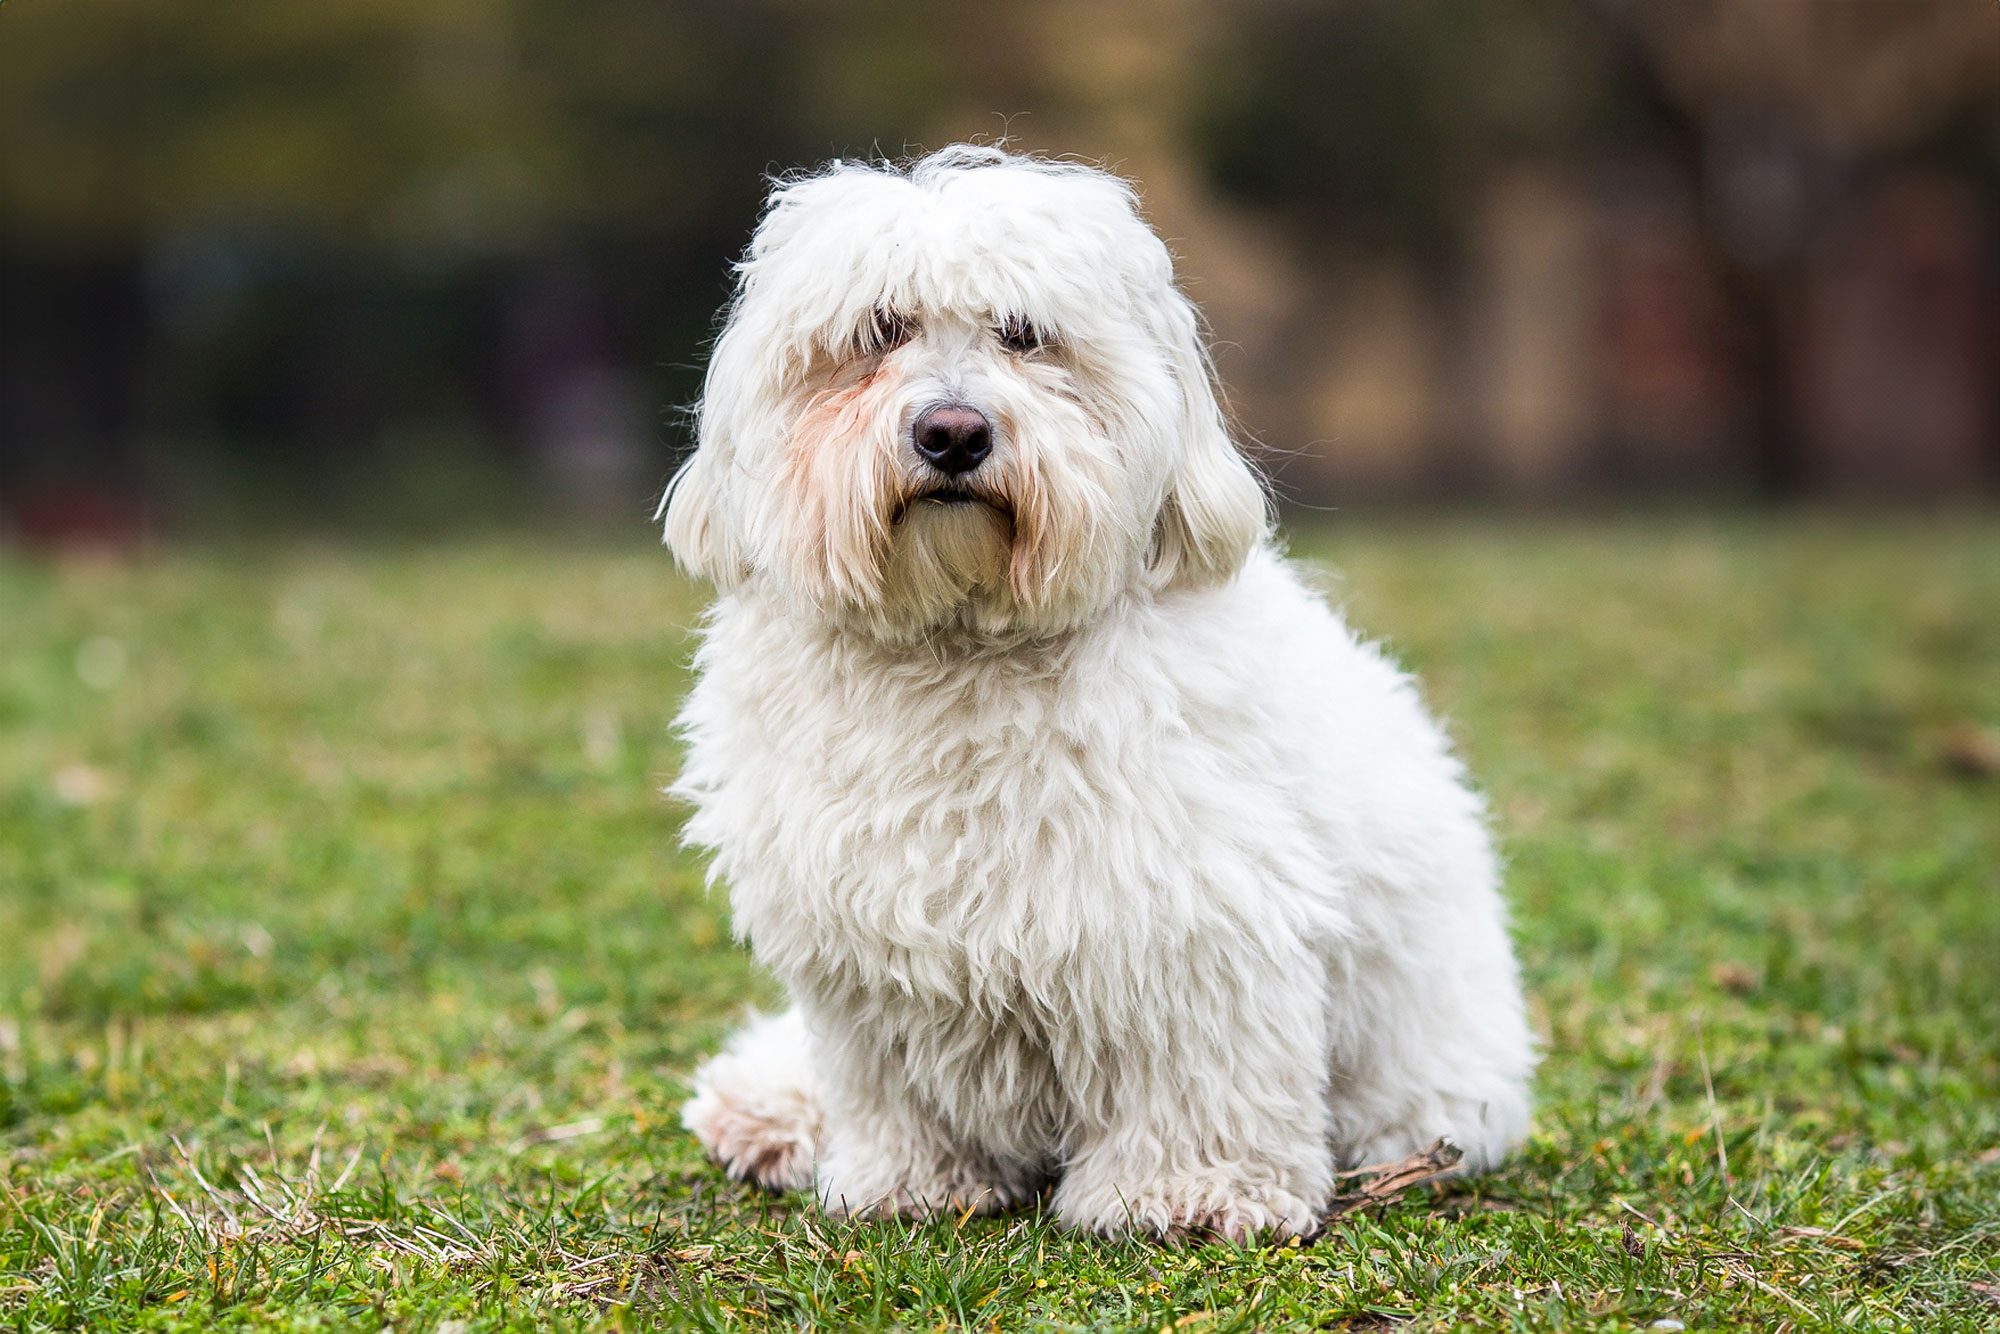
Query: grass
[(348, 966)]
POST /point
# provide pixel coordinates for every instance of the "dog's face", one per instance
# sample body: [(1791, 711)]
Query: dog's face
[(963, 399)]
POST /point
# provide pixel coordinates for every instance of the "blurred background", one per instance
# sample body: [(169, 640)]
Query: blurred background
[(408, 265)]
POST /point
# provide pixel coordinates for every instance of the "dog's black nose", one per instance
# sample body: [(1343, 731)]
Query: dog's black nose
[(953, 439)]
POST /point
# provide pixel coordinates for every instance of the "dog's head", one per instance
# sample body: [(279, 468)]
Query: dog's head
[(965, 396)]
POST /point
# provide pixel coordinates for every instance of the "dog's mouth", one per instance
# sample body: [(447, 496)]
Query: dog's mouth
[(950, 497)]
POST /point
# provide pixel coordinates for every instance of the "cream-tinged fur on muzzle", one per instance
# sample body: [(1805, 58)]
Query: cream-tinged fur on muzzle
[(1094, 849)]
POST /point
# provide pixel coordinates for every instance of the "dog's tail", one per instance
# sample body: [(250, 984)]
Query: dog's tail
[(756, 1106)]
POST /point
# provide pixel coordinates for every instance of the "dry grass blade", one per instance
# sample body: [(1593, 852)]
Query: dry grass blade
[(1390, 1180), (556, 1134)]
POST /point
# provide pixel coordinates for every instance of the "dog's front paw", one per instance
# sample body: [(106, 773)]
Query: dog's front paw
[(898, 1191), (1189, 1210), (769, 1144)]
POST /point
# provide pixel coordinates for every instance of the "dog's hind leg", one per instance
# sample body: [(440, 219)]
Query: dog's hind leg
[(756, 1104)]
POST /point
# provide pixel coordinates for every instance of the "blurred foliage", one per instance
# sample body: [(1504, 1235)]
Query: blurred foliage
[(324, 237), (436, 135), (454, 126), (327, 235)]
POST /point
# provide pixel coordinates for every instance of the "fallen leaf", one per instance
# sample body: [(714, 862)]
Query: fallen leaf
[(1735, 978), (1971, 751), (80, 785)]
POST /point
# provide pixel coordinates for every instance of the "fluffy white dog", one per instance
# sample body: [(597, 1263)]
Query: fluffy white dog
[(1093, 848)]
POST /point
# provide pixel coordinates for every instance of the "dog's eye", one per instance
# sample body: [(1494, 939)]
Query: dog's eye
[(1018, 335), (886, 332)]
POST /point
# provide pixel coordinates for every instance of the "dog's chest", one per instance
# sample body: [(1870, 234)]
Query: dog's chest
[(969, 831), (957, 829)]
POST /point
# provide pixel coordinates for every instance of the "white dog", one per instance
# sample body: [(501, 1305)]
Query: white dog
[(1093, 849)]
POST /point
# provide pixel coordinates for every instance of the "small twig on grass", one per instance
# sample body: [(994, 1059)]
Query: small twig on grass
[(1824, 1236), (1388, 1181)]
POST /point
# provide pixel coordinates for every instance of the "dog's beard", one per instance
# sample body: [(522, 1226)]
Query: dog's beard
[(947, 562), (873, 545), (1012, 556)]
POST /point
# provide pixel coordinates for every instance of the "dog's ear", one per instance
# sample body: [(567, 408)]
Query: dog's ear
[(1215, 511), (693, 525), (699, 527)]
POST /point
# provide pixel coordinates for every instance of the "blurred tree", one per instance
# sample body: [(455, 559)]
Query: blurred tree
[(1379, 127), (1377, 119), (1782, 116)]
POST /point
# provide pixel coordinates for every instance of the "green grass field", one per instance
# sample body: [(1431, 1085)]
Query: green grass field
[(349, 969)]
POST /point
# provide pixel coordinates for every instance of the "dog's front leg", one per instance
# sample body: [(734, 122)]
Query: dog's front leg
[(888, 1154), (1213, 1122)]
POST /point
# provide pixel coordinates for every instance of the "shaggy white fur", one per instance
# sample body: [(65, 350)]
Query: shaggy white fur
[(1093, 848)]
